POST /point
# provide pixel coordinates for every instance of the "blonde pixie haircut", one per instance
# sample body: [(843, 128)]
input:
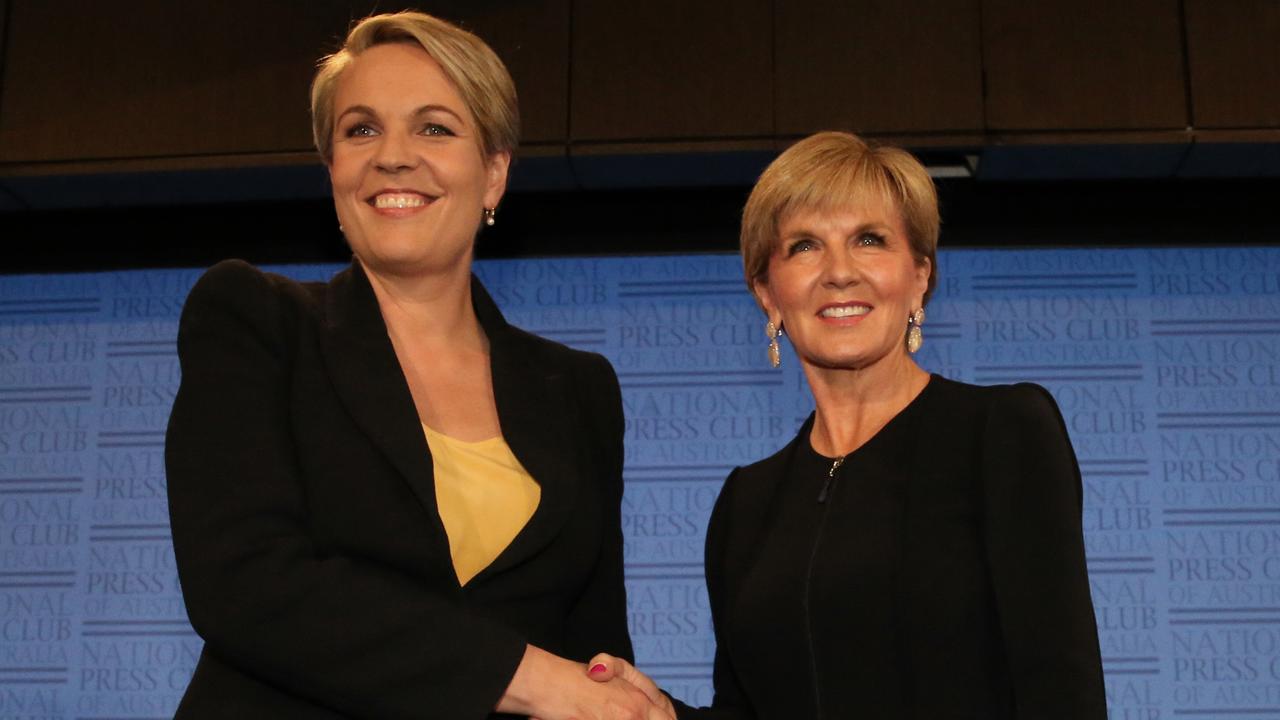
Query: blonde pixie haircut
[(471, 65), (836, 169)]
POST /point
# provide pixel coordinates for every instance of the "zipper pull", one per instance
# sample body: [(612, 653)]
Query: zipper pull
[(831, 476)]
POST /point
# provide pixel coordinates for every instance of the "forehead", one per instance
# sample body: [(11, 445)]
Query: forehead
[(396, 77), (842, 215)]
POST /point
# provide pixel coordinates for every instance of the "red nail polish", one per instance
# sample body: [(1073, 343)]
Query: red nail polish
[(597, 669)]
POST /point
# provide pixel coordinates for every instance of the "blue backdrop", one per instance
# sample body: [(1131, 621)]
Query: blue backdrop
[(1165, 362)]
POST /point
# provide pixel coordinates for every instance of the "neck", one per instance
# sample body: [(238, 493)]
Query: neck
[(853, 404), (430, 309)]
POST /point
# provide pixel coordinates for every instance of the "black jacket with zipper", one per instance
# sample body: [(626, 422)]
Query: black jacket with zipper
[(937, 574)]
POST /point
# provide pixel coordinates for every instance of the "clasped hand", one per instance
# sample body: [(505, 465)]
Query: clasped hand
[(547, 687), (605, 668)]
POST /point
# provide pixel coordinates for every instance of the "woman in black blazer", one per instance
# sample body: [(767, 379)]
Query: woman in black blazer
[(310, 536), (916, 551)]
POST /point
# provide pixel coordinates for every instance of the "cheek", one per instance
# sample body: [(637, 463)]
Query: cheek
[(791, 303), (790, 285), (350, 164), (471, 174), (342, 174), (896, 284)]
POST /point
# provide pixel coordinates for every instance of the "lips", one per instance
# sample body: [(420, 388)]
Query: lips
[(840, 311)]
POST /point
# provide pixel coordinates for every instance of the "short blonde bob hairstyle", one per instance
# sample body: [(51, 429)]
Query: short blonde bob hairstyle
[(480, 77), (831, 170)]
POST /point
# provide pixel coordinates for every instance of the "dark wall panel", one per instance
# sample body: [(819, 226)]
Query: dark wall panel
[(208, 79), (89, 81), (532, 38), (8, 200), (4, 57), (4, 36), (878, 66), (220, 85), (1233, 52), (1083, 64), (672, 69)]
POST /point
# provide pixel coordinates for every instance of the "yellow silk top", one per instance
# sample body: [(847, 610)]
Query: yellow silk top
[(484, 496)]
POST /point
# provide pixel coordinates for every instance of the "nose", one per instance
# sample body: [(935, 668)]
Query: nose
[(841, 269), (395, 153)]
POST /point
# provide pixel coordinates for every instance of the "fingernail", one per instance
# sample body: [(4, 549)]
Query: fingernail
[(597, 669)]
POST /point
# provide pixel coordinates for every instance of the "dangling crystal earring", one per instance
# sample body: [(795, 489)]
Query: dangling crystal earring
[(772, 332), (488, 216), (915, 338)]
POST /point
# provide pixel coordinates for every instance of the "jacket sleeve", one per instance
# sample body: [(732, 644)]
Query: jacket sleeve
[(345, 632), (598, 621), (730, 701), (1035, 546)]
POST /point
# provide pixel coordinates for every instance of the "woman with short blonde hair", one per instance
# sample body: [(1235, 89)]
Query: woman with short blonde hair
[(916, 551), (386, 501), (471, 65), (831, 169)]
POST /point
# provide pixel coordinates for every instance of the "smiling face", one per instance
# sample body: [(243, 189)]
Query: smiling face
[(410, 182), (842, 282)]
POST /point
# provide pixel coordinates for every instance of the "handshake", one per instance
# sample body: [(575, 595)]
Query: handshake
[(606, 668), (548, 687)]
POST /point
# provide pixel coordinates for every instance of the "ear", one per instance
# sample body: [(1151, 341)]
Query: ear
[(764, 296), (924, 269), (496, 178)]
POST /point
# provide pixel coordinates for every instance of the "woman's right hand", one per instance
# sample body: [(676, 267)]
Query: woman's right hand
[(548, 687), (606, 668)]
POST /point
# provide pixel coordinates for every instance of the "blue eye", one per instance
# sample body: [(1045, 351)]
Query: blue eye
[(799, 246), (360, 130)]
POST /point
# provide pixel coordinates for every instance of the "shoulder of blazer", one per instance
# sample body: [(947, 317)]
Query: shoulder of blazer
[(749, 490), (1002, 423), (774, 467), (987, 395), (1026, 415), (238, 275), (554, 356), (961, 413), (1018, 405), (533, 348), (519, 351), (232, 279), (1025, 401), (262, 303)]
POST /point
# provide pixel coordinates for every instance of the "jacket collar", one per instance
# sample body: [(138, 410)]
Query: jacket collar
[(530, 397)]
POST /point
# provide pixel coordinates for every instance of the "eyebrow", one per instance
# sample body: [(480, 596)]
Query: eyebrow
[(419, 112), (808, 231), (886, 228)]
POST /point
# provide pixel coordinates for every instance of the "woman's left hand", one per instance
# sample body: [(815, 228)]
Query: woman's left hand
[(604, 667)]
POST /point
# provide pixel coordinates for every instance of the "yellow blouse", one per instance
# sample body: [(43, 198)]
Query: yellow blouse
[(484, 496)]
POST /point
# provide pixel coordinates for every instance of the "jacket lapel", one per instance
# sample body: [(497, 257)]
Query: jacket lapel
[(533, 403), (531, 407), (367, 376)]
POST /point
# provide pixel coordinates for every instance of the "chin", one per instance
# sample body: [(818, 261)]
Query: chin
[(835, 362), (847, 359)]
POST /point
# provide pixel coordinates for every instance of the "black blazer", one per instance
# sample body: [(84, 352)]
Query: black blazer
[(312, 558), (942, 577)]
